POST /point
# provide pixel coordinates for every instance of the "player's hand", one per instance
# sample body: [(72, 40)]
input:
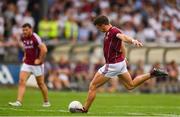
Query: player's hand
[(137, 43), (37, 61)]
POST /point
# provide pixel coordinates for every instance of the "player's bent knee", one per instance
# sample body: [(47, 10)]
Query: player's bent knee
[(22, 82), (41, 84), (92, 86), (130, 87)]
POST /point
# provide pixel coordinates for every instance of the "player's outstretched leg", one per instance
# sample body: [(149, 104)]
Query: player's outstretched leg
[(44, 90), (97, 81), (130, 84), (21, 89)]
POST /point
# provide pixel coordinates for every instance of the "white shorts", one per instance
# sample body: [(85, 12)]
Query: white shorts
[(113, 70), (36, 70)]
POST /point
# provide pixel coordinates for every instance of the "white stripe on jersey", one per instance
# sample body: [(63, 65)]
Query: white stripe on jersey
[(38, 38)]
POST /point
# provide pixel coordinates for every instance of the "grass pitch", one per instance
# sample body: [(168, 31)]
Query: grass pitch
[(106, 104)]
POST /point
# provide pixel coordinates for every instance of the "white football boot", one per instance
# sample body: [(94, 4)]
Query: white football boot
[(15, 104), (46, 104)]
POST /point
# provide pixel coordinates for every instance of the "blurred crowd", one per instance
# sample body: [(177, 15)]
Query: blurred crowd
[(71, 21), (146, 20)]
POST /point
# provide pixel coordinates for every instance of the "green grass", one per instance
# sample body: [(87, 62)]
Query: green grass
[(116, 104)]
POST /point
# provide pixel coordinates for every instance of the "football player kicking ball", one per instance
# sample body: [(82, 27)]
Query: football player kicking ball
[(34, 55), (115, 62)]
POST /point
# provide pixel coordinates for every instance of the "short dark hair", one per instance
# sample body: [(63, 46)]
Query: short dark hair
[(101, 20), (27, 25)]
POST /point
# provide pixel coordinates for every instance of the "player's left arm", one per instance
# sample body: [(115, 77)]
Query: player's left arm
[(43, 51), (42, 54), (129, 39)]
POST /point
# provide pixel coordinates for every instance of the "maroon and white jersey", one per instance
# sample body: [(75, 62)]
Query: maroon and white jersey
[(32, 50), (112, 46)]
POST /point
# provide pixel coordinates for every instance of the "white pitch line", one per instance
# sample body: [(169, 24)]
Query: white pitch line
[(142, 107), (40, 110), (173, 107), (150, 115)]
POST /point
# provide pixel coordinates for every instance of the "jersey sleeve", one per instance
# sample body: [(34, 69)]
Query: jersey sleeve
[(116, 31), (38, 39)]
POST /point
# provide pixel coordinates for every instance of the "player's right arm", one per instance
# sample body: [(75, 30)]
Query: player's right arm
[(129, 39)]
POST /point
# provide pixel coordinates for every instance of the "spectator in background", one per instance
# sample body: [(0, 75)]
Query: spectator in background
[(9, 14), (173, 71), (27, 18), (155, 23), (71, 29), (84, 33), (132, 14), (167, 33), (1, 28), (16, 35), (1, 6), (22, 6), (139, 70), (148, 85), (49, 30), (178, 35), (44, 28), (54, 29), (112, 85), (47, 72), (64, 73), (176, 21), (81, 73), (140, 33), (173, 85), (2, 51), (16, 30), (150, 34), (161, 83), (92, 30), (53, 80), (128, 25), (59, 74), (34, 7)]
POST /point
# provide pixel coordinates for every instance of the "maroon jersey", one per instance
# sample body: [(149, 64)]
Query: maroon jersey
[(31, 48), (112, 46)]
